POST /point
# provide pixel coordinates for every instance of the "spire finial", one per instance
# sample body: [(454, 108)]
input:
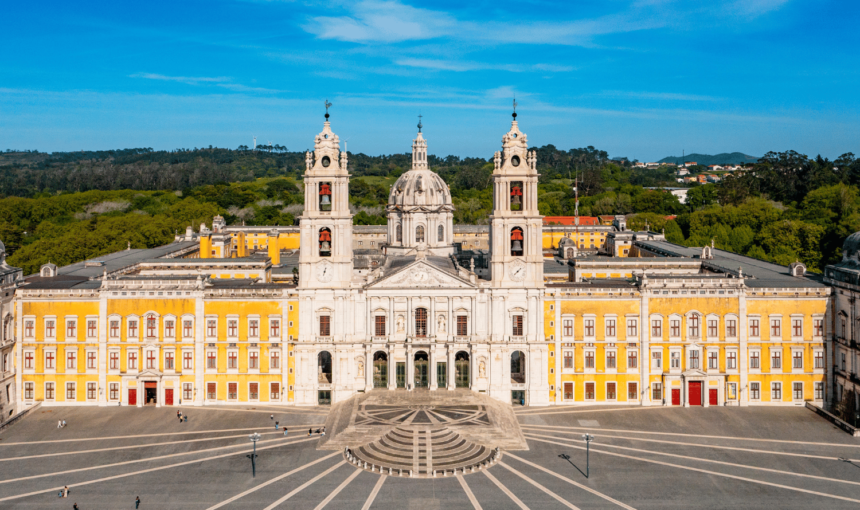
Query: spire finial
[(327, 106), (419, 123), (515, 108)]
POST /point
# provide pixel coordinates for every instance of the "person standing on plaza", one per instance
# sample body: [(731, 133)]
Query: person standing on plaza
[(75, 506), (285, 431), (137, 502), (276, 425), (186, 417), (59, 424), (310, 431), (271, 416)]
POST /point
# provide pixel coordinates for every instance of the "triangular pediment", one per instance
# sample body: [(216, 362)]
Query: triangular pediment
[(422, 275), (149, 373), (694, 372)]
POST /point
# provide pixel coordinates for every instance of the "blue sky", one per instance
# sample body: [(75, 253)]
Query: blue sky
[(643, 79)]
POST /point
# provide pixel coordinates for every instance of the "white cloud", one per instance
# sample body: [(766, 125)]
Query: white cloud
[(753, 8), (671, 96), (465, 65), (189, 80), (382, 21)]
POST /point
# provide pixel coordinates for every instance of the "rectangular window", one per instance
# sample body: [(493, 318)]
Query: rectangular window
[(379, 323), (253, 360), (114, 329), (275, 328), (233, 328), (114, 360), (675, 328), (589, 359), (92, 330), (49, 329), (731, 328), (274, 391), (187, 329), (754, 360), (657, 360), (151, 327), (187, 361), (169, 328), (632, 391), (754, 331), (694, 326), (132, 361), (232, 391), (325, 325), (187, 391), (775, 328), (656, 328), (274, 360), (29, 329), (232, 360), (818, 324), (755, 391), (694, 359), (610, 327), (713, 363), (518, 326), (71, 360), (776, 391), (819, 359), (568, 359), (712, 328), (210, 390), (91, 361), (775, 359), (610, 360), (567, 327), (610, 391), (29, 390), (632, 328), (70, 391), (132, 328), (797, 390), (49, 360), (49, 391), (797, 359), (168, 361), (211, 328), (211, 360), (675, 360), (731, 360), (797, 327), (656, 392), (589, 391), (819, 391), (71, 328), (254, 391), (462, 325), (151, 362), (568, 391), (28, 360), (589, 327), (91, 391)]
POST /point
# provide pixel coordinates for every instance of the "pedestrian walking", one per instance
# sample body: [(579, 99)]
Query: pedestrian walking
[(64, 423), (75, 506), (276, 425), (66, 491), (323, 432), (271, 416), (59, 424), (186, 418), (137, 502), (310, 431), (285, 431), (179, 414)]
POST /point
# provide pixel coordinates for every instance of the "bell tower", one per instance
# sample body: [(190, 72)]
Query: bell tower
[(325, 258), (516, 226)]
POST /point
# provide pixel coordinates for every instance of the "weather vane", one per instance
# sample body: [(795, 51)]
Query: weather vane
[(419, 123), (327, 105), (515, 108)]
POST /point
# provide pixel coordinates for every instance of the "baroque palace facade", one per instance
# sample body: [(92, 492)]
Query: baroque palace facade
[(309, 318)]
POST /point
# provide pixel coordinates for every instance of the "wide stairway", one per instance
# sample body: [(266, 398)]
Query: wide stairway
[(422, 453)]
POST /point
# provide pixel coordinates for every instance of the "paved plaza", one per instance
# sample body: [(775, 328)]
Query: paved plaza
[(717, 457)]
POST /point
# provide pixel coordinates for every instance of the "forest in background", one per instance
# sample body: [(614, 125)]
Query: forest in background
[(67, 207)]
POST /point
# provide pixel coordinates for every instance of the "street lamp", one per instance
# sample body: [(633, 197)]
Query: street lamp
[(588, 438), (254, 438)]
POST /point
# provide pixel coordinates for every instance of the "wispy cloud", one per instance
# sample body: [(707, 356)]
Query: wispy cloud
[(669, 96), (466, 65), (383, 21), (217, 81)]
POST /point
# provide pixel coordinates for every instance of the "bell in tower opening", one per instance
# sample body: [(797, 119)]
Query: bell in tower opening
[(516, 242), (325, 242), (517, 196), (325, 196)]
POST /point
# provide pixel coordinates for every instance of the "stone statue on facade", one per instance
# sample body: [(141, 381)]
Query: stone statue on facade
[(400, 324), (482, 369), (361, 368), (440, 325)]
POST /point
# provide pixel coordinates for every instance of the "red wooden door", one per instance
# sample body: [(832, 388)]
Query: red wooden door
[(694, 394), (132, 397), (712, 397), (676, 397), (168, 396)]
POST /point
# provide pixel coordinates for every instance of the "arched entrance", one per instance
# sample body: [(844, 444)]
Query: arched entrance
[(461, 369), (518, 367), (324, 378), (422, 363), (380, 370)]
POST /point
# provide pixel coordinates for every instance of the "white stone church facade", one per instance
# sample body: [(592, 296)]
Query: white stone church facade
[(417, 319)]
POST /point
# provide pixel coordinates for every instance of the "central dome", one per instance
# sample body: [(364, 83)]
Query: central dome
[(420, 187)]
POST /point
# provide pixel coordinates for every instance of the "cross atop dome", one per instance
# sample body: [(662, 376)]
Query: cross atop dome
[(419, 123), (327, 106)]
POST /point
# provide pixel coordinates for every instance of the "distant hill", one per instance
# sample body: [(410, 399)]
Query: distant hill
[(717, 159)]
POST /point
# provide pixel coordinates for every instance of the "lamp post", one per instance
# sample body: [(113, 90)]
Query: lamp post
[(254, 438), (588, 438)]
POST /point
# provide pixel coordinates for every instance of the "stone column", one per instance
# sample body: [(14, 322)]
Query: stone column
[(557, 317), (645, 346), (743, 353), (410, 367), (451, 371), (431, 362), (368, 367), (103, 328)]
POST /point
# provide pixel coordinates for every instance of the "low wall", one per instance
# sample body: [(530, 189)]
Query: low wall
[(11, 421), (854, 431)]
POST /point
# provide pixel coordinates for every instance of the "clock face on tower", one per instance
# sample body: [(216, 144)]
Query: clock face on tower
[(518, 270), (325, 271)]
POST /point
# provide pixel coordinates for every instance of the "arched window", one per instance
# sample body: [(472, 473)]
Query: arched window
[(419, 234), (324, 367), (518, 367), (516, 241), (325, 242), (421, 322), (398, 233), (441, 234), (517, 195), (325, 196)]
